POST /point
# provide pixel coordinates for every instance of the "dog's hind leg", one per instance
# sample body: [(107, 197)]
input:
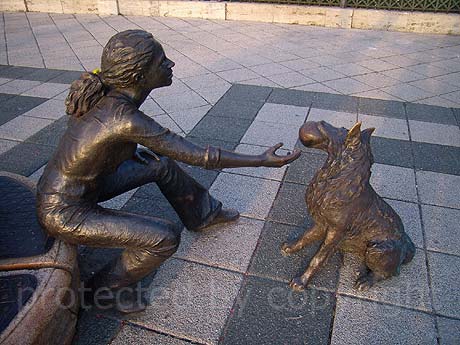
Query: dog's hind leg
[(315, 233), (383, 260)]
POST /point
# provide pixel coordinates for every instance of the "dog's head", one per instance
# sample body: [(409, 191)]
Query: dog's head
[(323, 136)]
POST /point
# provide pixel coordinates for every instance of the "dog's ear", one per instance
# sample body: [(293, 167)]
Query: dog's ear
[(366, 134), (354, 135)]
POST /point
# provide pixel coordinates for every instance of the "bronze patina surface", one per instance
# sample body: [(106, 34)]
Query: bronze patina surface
[(97, 158), (349, 215)]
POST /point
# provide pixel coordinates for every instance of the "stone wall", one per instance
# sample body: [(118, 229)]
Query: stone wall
[(439, 23)]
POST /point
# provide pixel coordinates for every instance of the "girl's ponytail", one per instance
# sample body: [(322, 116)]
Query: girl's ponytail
[(84, 94)]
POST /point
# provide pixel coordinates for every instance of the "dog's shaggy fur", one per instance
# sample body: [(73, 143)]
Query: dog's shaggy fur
[(349, 215)]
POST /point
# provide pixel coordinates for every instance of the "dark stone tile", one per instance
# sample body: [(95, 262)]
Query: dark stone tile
[(289, 206), (392, 152), (457, 115), (437, 158), (91, 260), (203, 142), (50, 135), (221, 128), (14, 72), (4, 97), (201, 175), (150, 202), (430, 113), (235, 109), (268, 262), (304, 168), (25, 158), (95, 329), (291, 97), (269, 312), (43, 75), (17, 105), (67, 77), (331, 101), (381, 107), (245, 93)]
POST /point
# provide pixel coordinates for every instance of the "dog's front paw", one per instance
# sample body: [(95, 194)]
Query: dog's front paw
[(287, 248), (297, 284), (364, 282)]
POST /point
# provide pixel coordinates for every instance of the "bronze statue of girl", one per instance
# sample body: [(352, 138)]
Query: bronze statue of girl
[(97, 159)]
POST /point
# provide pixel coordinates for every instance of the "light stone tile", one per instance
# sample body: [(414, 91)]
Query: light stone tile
[(449, 331), (260, 82), (184, 295), (439, 189), (351, 69), (270, 69), (316, 87), (52, 109), (6, 145), (386, 127), (119, 201), (4, 80), (434, 133), (177, 87), (35, 176), (188, 118), (439, 101), (300, 64), (269, 133), (322, 74), (18, 86), (434, 86), (445, 280), (453, 97), (335, 118), (410, 216), (140, 336), (452, 78), (251, 196), (403, 75), (167, 122), (61, 96), (377, 94), (394, 182), (186, 100), (348, 86), (409, 289), (377, 65), (360, 322), (22, 127), (429, 70), (151, 108), (407, 92), (376, 80), (47, 90), (214, 93), (291, 79), (204, 81), (237, 75), (281, 113), (261, 172), (229, 246), (441, 229)]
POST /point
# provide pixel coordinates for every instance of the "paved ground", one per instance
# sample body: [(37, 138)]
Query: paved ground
[(260, 82)]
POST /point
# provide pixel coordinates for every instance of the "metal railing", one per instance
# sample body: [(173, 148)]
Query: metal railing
[(448, 6)]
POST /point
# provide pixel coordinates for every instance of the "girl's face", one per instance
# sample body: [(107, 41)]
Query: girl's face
[(160, 73)]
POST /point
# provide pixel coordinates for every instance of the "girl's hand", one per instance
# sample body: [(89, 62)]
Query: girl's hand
[(271, 159)]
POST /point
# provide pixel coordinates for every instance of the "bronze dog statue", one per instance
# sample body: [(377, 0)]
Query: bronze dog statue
[(349, 215)]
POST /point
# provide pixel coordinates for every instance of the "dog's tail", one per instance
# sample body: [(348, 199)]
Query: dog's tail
[(410, 249)]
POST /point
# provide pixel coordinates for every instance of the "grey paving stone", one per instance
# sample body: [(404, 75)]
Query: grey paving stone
[(235, 109), (17, 105), (228, 246), (91, 260), (449, 331), (457, 114), (335, 102), (304, 168), (439, 189), (184, 295), (363, 322), (262, 172), (51, 109), (203, 142), (410, 216), (18, 86), (47, 90), (22, 127), (67, 77), (386, 127), (335, 118), (187, 119), (25, 158), (6, 145), (436, 158), (291, 97), (441, 226), (4, 97), (445, 279), (282, 113), (42, 74), (409, 289), (289, 206), (392, 152), (251, 93), (268, 262), (269, 133), (51, 134), (381, 107), (221, 128), (269, 312), (13, 72), (119, 201), (130, 334), (435, 133), (394, 182), (430, 113), (94, 329), (251, 196)]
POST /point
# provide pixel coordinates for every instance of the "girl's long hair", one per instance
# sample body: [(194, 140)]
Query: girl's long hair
[(125, 59)]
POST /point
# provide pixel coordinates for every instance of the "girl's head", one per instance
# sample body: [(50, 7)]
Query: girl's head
[(130, 59)]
